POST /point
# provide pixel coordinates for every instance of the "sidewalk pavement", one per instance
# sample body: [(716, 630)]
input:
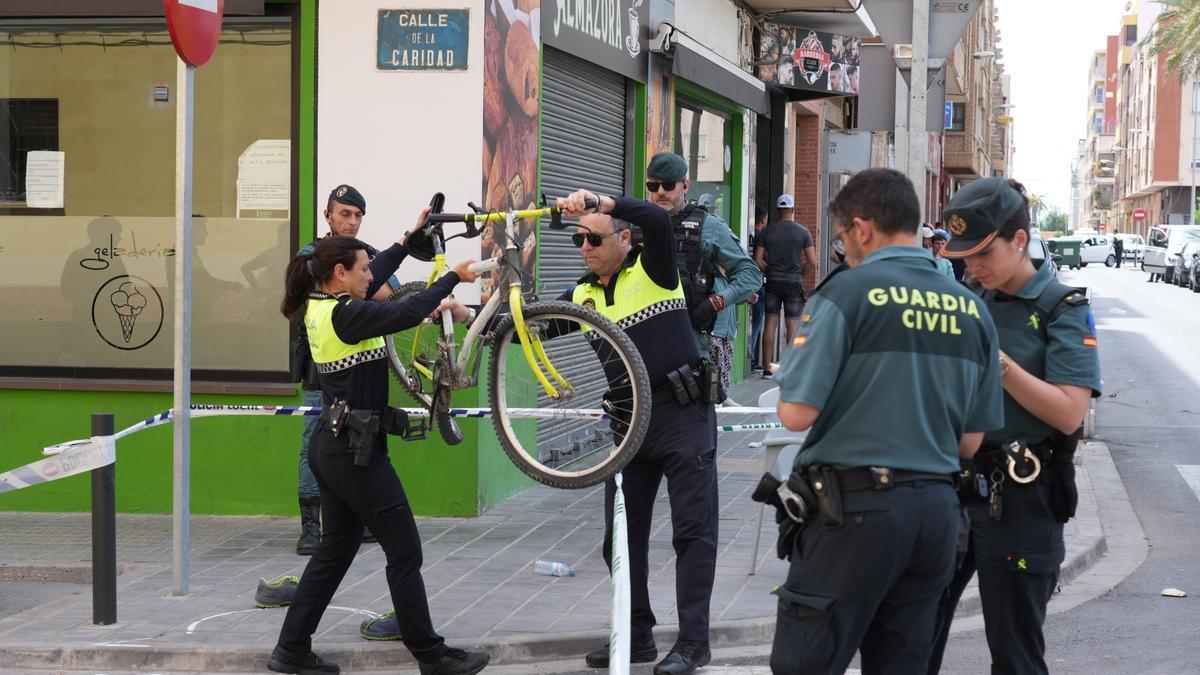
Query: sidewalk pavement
[(478, 571)]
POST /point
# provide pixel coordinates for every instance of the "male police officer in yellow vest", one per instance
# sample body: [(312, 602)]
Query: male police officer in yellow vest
[(638, 288)]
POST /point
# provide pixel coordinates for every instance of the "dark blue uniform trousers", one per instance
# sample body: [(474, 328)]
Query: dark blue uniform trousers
[(352, 496), (872, 584), (681, 445), (1018, 559)]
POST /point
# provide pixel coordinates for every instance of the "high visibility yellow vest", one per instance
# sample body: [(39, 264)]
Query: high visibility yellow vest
[(328, 351), (635, 296)]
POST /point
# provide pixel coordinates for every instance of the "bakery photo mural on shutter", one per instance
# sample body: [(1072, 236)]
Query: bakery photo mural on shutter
[(511, 85)]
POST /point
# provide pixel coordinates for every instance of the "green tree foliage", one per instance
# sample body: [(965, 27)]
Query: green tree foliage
[(1177, 33), (1055, 221)]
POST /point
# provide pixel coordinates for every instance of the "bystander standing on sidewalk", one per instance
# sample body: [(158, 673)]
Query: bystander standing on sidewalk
[(784, 252)]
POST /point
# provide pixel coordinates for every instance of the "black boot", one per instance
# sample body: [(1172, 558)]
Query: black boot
[(283, 661), (310, 526), (685, 657)]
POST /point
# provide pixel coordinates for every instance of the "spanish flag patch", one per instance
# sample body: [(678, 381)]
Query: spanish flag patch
[(1089, 341), (799, 340), (805, 317)]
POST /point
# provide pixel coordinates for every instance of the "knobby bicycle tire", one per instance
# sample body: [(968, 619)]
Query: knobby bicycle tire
[(400, 357), (602, 364)]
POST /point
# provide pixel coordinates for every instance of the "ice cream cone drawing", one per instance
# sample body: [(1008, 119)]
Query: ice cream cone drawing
[(128, 302)]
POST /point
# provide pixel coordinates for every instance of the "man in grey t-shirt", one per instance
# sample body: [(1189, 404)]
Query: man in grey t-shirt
[(783, 251)]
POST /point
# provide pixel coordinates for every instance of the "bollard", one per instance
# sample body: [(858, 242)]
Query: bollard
[(104, 531)]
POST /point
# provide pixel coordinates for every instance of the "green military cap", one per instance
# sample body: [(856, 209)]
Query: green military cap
[(976, 213), (667, 166), (346, 194)]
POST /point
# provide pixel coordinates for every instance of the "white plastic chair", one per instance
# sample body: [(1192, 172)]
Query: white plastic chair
[(780, 448)]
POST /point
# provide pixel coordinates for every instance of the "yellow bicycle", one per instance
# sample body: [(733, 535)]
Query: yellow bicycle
[(569, 394)]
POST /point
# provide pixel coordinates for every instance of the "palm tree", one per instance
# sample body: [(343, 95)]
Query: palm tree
[(1036, 204), (1178, 34)]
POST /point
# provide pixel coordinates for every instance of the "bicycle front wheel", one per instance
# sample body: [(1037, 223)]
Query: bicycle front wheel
[(595, 421)]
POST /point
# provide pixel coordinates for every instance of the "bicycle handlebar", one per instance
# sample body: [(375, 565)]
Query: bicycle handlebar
[(471, 219)]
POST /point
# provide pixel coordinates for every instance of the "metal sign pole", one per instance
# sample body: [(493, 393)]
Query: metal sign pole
[(183, 327)]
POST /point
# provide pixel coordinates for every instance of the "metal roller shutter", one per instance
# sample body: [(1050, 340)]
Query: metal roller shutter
[(583, 146)]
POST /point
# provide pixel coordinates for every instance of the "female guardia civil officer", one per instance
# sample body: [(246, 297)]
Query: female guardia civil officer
[(1049, 369), (358, 484)]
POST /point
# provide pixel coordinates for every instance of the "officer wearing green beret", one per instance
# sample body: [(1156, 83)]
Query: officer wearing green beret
[(704, 243), (1050, 368), (894, 367), (344, 211)]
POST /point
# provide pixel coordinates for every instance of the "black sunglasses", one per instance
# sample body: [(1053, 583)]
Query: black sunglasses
[(591, 237), (653, 185)]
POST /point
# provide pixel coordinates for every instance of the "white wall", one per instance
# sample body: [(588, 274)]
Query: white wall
[(398, 136), (713, 23)]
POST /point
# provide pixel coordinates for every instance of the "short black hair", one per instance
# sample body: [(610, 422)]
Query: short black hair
[(884, 196), (760, 214)]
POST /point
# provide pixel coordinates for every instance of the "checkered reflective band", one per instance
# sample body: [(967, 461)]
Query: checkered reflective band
[(352, 360), (652, 311)]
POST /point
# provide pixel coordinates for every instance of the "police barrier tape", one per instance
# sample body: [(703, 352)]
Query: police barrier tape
[(79, 456)]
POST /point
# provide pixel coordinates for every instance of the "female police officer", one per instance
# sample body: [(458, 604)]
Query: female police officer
[(349, 453), (1049, 369)]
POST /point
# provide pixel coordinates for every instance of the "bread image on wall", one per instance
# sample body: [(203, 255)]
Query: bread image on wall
[(511, 92)]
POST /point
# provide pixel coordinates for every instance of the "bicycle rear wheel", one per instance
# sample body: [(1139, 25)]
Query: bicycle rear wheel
[(412, 357), (597, 423)]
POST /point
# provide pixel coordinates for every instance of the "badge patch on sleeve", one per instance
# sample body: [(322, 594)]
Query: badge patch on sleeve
[(1090, 341), (799, 340)]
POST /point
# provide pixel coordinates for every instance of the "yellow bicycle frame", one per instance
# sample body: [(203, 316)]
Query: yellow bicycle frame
[(439, 268)]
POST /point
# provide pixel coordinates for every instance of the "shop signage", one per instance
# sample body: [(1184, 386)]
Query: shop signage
[(609, 33), (423, 39), (796, 57), (195, 26)]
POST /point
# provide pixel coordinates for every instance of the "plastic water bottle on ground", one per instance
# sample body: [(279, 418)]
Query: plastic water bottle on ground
[(553, 568)]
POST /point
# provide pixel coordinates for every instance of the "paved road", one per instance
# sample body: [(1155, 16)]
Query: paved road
[(1150, 418)]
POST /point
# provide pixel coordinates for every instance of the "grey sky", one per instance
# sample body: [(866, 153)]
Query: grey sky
[(1048, 45)]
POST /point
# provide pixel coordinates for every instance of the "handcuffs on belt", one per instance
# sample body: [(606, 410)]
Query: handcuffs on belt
[(1021, 473)]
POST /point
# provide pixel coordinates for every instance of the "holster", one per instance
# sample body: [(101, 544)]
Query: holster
[(794, 504), (825, 486), (1064, 496), (364, 429)]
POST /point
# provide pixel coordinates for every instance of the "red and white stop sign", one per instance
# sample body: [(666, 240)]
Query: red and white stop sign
[(1139, 215), (195, 26)]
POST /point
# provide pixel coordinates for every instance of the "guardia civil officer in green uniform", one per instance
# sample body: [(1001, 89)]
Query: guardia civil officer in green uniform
[(638, 288), (894, 367), (349, 456), (1050, 368), (704, 243)]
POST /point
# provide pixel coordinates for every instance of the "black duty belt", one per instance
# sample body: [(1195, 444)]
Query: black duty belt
[(883, 478), (685, 385)]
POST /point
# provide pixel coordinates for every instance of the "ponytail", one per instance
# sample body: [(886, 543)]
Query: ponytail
[(308, 270)]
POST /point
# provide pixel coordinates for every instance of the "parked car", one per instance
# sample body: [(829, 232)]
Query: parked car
[(1040, 253), (1133, 245), (1194, 279), (1185, 263), (1165, 243)]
